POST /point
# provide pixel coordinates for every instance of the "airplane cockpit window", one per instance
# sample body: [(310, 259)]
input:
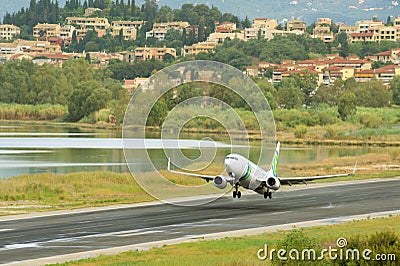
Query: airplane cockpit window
[(234, 158)]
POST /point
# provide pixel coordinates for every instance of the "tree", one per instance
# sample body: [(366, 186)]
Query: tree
[(347, 105), (344, 44), (91, 47), (389, 21), (395, 86), (87, 97), (269, 91), (372, 94), (289, 94), (246, 23), (157, 114), (88, 57), (307, 83), (168, 58), (149, 11), (329, 94)]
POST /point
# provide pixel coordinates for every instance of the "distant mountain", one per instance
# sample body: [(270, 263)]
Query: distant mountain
[(348, 11)]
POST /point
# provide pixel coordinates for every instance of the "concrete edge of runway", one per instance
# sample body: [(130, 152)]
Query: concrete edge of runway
[(213, 236), (153, 203)]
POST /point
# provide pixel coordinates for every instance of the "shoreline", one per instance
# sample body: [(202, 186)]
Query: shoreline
[(253, 135)]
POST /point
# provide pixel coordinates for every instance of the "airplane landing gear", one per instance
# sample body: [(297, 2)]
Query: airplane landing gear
[(268, 195), (236, 192)]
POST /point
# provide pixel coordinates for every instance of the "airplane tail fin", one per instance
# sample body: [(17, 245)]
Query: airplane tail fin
[(274, 164)]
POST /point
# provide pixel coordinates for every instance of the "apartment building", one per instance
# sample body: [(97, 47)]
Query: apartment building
[(296, 25), (324, 21), (160, 29), (176, 25), (396, 21), (220, 37), (324, 33), (9, 49), (89, 23), (251, 33), (66, 31), (265, 23), (387, 56), (192, 30), (365, 26), (348, 29), (90, 11), (128, 33), (126, 23), (386, 34), (158, 34), (46, 30), (8, 31), (23, 46), (225, 27), (361, 37), (147, 53), (206, 47)]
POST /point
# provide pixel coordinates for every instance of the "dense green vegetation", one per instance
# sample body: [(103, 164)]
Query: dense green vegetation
[(85, 91), (76, 85)]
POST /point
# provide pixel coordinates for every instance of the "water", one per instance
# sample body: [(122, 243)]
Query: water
[(29, 149)]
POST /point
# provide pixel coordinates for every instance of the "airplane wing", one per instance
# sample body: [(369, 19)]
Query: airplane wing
[(206, 177), (297, 180)]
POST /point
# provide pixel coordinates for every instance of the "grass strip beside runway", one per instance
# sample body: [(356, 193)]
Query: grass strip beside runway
[(243, 250)]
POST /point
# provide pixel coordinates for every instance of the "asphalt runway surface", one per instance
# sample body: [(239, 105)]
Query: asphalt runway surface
[(24, 239)]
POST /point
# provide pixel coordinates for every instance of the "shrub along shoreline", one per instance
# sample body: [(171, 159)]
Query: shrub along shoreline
[(315, 126)]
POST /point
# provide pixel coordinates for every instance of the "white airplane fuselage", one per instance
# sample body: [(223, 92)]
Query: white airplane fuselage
[(249, 175)]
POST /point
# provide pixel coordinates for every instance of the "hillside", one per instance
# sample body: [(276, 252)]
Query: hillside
[(347, 11)]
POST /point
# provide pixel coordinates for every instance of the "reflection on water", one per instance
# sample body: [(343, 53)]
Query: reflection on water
[(37, 149)]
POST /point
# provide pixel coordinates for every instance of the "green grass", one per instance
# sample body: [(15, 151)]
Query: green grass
[(242, 250), (50, 191), (32, 112)]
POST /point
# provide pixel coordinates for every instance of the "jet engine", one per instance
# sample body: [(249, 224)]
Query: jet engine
[(220, 182), (273, 183)]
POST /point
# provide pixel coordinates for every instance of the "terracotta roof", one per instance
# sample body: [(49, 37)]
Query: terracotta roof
[(386, 53), (332, 68), (345, 61), (386, 69)]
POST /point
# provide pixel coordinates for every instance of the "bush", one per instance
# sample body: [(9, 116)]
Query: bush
[(299, 240), (331, 131), (300, 131), (384, 242), (369, 120), (102, 115)]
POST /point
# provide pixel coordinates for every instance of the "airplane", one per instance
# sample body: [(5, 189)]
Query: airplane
[(244, 173)]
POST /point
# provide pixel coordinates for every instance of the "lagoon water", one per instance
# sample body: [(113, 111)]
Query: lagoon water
[(28, 149)]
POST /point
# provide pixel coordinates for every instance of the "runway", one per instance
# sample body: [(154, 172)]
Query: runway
[(38, 237)]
